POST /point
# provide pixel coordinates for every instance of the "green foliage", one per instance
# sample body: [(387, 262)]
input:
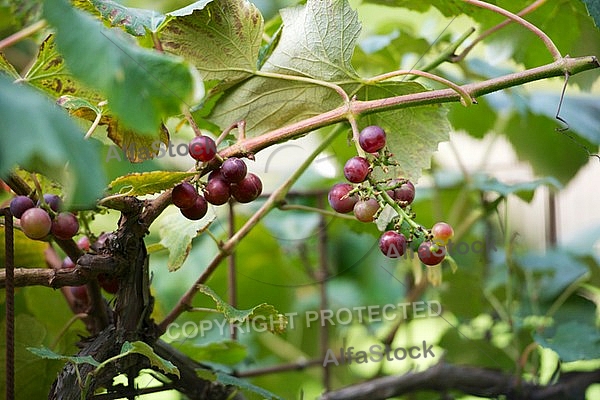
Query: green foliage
[(263, 314), (139, 184), (60, 134), (132, 78), (144, 349)]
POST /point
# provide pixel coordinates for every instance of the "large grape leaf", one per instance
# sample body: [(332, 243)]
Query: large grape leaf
[(50, 74), (142, 86), (222, 39), (47, 141), (140, 184)]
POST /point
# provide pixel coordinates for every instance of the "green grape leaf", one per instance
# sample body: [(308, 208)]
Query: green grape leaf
[(549, 152), (7, 68), (176, 234), (137, 147), (142, 183), (446, 7), (221, 38), (413, 134), (228, 352), (524, 190), (133, 79), (135, 20), (46, 142), (50, 74), (560, 339), (44, 352), (593, 9), (144, 349), (263, 315)]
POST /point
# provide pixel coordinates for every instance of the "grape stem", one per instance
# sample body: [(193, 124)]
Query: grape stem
[(465, 98), (403, 215), (514, 17)]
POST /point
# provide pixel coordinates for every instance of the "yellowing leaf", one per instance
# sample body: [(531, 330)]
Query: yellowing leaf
[(139, 184)]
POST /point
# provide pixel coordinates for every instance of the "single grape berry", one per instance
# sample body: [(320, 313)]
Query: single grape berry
[(19, 205), (404, 193), (248, 189), (339, 199), (431, 253), (53, 201), (80, 294), (36, 223), (392, 244), (65, 226), (217, 191), (442, 233), (233, 170), (202, 148), (356, 169), (84, 243), (67, 263), (197, 211), (364, 210), (184, 195), (109, 283), (372, 138)]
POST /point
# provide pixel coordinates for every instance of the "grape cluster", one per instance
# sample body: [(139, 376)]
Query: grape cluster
[(231, 180), (366, 197), (37, 221)]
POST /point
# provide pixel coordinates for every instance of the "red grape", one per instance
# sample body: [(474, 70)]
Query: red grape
[(233, 170), (197, 211), (65, 226), (36, 223), (84, 243), (110, 284), (19, 205), (404, 193), (184, 195), (356, 169), (339, 199), (68, 263), (364, 210), (248, 189), (431, 253), (392, 244), (217, 191), (202, 148), (442, 232), (53, 201), (80, 294), (372, 138)]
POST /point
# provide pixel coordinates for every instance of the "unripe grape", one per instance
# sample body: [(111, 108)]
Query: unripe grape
[(442, 232), (364, 210), (36, 223)]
